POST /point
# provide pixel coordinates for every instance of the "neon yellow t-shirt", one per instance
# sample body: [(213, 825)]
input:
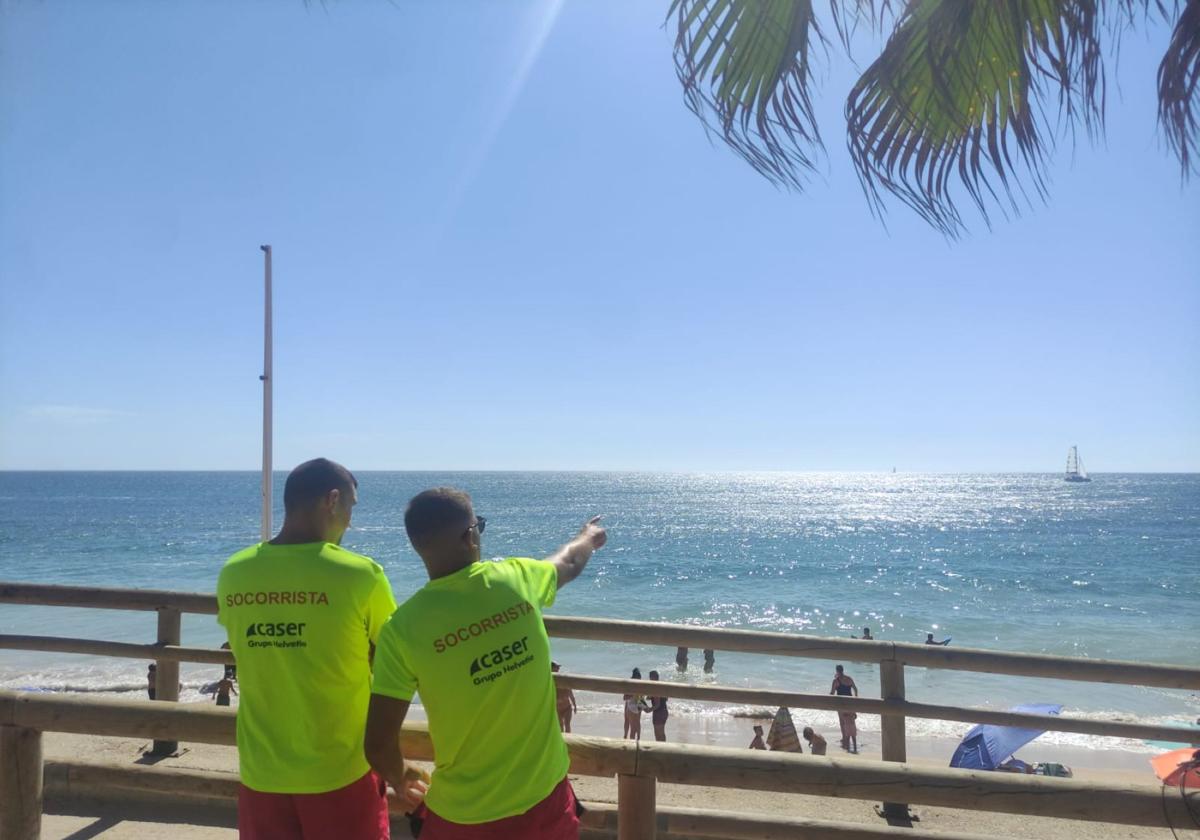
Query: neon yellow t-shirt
[(300, 619), (474, 645)]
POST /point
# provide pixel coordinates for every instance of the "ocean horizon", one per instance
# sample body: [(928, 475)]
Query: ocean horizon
[(1009, 561)]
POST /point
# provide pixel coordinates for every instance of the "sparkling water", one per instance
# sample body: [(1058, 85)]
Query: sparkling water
[(1030, 563)]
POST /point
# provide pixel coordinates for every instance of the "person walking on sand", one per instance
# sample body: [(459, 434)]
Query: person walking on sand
[(757, 743), (658, 713), (223, 688), (564, 701), (473, 644), (635, 704), (844, 686), (302, 614), (816, 743)]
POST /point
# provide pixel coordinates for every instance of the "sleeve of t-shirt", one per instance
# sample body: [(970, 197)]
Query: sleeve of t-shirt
[(540, 577), (221, 598), (380, 605), (394, 677)]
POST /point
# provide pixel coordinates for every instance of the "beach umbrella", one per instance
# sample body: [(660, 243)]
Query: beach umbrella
[(782, 736), (1178, 767), (986, 747)]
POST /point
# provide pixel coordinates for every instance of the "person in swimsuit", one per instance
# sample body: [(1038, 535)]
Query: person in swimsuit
[(151, 678), (710, 660), (635, 704), (866, 636), (844, 686), (929, 640), (757, 743), (564, 699), (658, 713), (223, 688), (681, 658), (816, 743)]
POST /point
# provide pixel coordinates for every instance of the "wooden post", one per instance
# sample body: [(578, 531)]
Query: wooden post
[(895, 748), (636, 814), (20, 783), (166, 686)]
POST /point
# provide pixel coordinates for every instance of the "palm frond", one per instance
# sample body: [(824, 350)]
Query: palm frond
[(958, 96), (1178, 75), (744, 65)]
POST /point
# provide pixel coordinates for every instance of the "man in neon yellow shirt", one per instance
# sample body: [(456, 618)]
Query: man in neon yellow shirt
[(473, 644), (302, 614)]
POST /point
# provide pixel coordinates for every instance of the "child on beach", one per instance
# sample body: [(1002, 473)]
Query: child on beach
[(635, 704), (816, 743), (757, 743), (564, 700)]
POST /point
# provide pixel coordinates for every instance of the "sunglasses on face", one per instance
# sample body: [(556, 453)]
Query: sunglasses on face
[(480, 524)]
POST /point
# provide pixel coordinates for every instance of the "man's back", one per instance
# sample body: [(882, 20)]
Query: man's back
[(300, 620), (474, 646)]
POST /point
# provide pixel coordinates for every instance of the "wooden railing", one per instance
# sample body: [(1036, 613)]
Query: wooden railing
[(892, 707), (639, 766)]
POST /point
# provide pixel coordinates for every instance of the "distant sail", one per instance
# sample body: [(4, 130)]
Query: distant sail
[(1075, 470)]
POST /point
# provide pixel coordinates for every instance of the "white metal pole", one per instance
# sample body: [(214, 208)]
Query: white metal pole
[(267, 381)]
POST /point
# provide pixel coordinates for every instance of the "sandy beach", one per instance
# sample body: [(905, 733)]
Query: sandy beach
[(87, 819)]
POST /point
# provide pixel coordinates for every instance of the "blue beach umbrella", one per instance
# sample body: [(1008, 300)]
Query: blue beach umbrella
[(986, 747)]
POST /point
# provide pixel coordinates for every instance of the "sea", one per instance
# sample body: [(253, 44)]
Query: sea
[(1019, 562)]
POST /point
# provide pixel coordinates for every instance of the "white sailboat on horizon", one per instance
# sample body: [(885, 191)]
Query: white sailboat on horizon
[(1075, 470)]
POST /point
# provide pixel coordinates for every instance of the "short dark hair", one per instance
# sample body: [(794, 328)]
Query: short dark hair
[(838, 669), (311, 481), (431, 512)]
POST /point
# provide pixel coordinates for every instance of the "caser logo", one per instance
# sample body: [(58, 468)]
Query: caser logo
[(276, 634), (500, 656), (281, 628)]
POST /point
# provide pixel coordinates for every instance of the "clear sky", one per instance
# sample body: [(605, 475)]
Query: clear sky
[(502, 242)]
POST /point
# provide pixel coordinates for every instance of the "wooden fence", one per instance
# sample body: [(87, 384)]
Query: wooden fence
[(676, 763)]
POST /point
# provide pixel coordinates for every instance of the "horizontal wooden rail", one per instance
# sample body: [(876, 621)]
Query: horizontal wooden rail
[(125, 650), (71, 778), (106, 597), (680, 635), (872, 706), (711, 766)]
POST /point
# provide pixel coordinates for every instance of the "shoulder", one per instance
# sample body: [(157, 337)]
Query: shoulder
[(238, 561)]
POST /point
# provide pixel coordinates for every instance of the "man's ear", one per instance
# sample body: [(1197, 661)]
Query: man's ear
[(332, 498)]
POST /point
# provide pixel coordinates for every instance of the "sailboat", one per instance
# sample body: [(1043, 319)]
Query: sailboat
[(1075, 470)]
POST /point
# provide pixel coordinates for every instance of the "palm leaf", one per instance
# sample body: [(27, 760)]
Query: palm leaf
[(744, 65), (956, 97), (1178, 75)]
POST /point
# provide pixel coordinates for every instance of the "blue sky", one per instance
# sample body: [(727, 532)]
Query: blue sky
[(502, 242)]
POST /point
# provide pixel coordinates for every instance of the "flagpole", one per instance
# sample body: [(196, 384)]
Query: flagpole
[(267, 381)]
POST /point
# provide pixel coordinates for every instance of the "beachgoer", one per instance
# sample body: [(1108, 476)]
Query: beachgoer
[(230, 670), (151, 680), (681, 658), (635, 704), (710, 661), (473, 643), (223, 688), (658, 713), (844, 686), (757, 743), (929, 640), (301, 614), (816, 743), (866, 636), (564, 700)]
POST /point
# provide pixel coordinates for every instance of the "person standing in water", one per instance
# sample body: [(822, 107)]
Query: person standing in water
[(929, 640), (152, 680), (844, 686), (658, 713), (816, 743), (564, 700)]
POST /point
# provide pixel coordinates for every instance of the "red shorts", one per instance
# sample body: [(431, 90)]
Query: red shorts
[(554, 818), (358, 811)]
